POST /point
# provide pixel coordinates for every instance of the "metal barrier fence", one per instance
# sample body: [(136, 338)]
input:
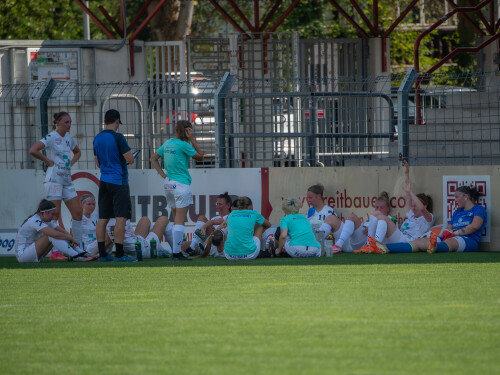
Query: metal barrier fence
[(272, 122)]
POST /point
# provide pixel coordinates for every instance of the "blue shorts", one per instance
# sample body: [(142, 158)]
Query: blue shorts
[(466, 244)]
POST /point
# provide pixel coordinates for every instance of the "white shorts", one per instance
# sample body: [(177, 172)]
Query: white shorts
[(178, 195), (28, 255), (57, 192), (355, 242), (129, 245), (251, 256), (299, 251), (215, 253), (397, 236)]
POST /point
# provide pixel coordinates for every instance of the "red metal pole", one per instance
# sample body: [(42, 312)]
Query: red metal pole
[(256, 11), (349, 19), (111, 21), (147, 19), (242, 16), (375, 17), (284, 16), (95, 19), (270, 15), (228, 17), (400, 18), (139, 14), (363, 17), (485, 22)]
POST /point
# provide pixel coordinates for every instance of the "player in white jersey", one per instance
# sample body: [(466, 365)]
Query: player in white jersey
[(59, 146), (419, 219), (144, 232), (204, 227), (89, 226), (40, 233)]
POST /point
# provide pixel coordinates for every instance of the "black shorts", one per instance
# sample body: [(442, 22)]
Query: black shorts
[(114, 201)]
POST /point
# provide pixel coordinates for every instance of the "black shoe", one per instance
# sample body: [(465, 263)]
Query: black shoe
[(190, 252), (272, 249), (180, 256)]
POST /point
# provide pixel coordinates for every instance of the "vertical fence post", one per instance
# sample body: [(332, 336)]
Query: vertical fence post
[(403, 114), (44, 113), (220, 119)]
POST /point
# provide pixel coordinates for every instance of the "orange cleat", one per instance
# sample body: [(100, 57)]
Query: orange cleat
[(432, 243)]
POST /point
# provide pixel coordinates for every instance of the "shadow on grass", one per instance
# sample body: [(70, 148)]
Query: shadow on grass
[(337, 260)]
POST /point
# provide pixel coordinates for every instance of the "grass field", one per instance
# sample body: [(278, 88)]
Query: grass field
[(349, 314)]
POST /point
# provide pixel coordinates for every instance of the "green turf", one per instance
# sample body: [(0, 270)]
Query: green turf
[(349, 314)]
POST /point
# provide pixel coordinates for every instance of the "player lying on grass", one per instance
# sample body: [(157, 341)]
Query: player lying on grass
[(205, 227), (144, 232), (462, 234), (296, 235), (39, 233), (419, 219), (245, 228)]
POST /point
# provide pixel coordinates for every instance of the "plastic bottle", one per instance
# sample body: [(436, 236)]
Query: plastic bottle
[(138, 250), (152, 244), (328, 245)]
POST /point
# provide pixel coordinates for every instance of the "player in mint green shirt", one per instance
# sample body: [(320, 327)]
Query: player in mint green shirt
[(296, 237), (176, 153), (245, 227)]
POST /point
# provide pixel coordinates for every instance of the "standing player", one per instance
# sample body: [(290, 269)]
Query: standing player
[(176, 153), (39, 233), (112, 154), (59, 145)]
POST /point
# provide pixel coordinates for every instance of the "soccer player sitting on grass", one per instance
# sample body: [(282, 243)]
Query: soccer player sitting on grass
[(463, 232), (419, 219), (40, 233), (245, 228), (144, 232), (296, 236)]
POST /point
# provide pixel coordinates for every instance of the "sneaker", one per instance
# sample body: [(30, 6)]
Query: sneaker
[(377, 247), (82, 257), (180, 256), (190, 252), (367, 249), (107, 258), (56, 255), (163, 254), (202, 236), (336, 249), (432, 243), (125, 259), (272, 249)]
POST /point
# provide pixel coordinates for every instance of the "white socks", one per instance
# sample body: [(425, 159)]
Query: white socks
[(381, 230), (63, 247), (347, 231), (76, 230), (178, 233), (326, 228), (372, 225), (169, 235), (196, 240)]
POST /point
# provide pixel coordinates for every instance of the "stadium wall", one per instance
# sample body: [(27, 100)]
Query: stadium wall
[(348, 189)]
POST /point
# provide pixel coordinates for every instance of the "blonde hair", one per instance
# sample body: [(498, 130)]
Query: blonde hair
[(291, 205), (58, 117), (243, 203), (85, 197)]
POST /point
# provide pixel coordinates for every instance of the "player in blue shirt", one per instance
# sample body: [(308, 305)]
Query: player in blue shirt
[(176, 153)]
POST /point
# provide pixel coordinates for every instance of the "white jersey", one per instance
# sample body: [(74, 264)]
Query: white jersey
[(316, 218), (414, 227), (89, 227), (30, 231), (129, 238), (59, 151)]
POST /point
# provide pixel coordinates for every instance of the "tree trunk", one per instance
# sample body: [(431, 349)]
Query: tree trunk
[(173, 20)]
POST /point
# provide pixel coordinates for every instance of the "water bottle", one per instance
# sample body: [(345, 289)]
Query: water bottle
[(152, 248), (138, 250), (328, 245)]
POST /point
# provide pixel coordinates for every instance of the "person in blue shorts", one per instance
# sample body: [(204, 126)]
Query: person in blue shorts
[(245, 228), (463, 232), (176, 153), (296, 237)]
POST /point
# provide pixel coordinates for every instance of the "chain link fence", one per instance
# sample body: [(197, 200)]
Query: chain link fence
[(242, 122)]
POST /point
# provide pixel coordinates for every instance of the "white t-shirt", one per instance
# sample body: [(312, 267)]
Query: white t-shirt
[(415, 227), (89, 226), (30, 231), (59, 151), (316, 218), (129, 238)]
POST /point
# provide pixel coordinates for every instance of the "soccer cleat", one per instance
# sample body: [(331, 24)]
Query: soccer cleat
[(107, 258), (125, 259), (56, 255), (202, 236), (163, 254), (336, 249), (190, 251), (432, 243), (81, 257), (180, 256), (377, 247), (367, 249)]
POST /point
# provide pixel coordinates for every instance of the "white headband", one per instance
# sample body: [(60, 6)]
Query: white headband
[(50, 209)]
